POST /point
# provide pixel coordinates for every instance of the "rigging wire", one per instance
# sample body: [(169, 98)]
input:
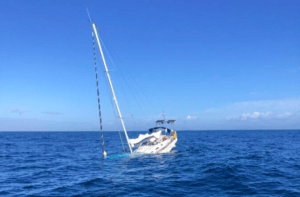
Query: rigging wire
[(110, 94), (132, 90), (113, 63), (112, 105), (98, 97), (126, 81), (114, 112), (130, 74), (137, 84), (121, 84)]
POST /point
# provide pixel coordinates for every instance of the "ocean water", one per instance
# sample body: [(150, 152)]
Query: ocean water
[(204, 163)]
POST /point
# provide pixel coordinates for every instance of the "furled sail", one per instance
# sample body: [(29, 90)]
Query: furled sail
[(141, 137)]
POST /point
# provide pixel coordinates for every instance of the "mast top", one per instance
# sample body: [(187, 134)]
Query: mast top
[(87, 10)]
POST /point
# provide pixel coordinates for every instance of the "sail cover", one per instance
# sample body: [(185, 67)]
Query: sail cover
[(142, 137)]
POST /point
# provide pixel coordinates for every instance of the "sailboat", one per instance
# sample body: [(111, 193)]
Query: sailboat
[(158, 140)]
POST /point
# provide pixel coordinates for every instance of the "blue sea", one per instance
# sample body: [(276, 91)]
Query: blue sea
[(204, 163)]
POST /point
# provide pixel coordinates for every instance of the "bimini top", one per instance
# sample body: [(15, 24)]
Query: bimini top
[(157, 128), (171, 121), (160, 121)]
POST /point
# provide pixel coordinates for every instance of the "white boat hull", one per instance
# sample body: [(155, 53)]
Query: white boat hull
[(162, 147)]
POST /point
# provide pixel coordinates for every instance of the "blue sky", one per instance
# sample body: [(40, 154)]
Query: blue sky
[(209, 64)]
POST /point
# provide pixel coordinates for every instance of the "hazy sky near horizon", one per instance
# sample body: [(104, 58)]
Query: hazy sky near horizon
[(209, 64)]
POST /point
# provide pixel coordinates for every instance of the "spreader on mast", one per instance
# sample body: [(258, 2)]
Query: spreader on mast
[(110, 85)]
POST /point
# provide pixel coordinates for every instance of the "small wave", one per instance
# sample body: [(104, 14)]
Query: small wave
[(227, 163)]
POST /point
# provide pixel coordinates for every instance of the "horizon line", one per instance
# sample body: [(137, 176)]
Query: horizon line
[(193, 130)]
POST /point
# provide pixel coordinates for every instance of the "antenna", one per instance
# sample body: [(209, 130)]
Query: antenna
[(87, 10)]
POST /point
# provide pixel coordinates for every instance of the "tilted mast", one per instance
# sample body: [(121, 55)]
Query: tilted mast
[(110, 85)]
